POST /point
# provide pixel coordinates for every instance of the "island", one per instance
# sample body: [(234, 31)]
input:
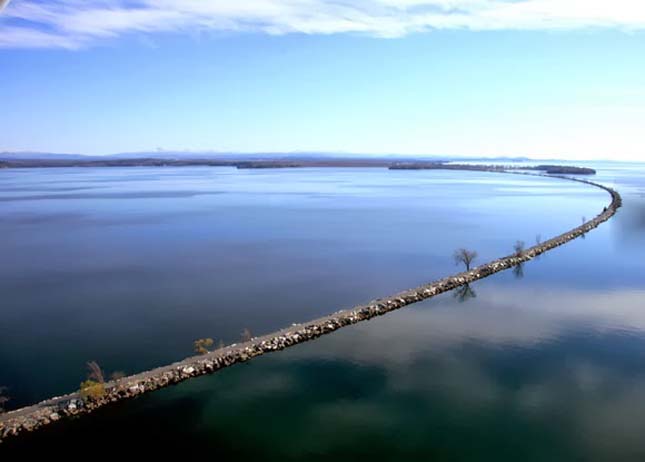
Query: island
[(548, 169)]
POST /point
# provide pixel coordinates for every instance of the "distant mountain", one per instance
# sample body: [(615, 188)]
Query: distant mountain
[(186, 155), (41, 156), (298, 155), (234, 156)]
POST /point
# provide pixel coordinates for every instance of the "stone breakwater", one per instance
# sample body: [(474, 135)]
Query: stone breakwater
[(47, 412)]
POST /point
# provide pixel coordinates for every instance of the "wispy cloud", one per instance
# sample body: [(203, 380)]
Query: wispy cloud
[(79, 23)]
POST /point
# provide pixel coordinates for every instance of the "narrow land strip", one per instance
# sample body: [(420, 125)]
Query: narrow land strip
[(42, 414)]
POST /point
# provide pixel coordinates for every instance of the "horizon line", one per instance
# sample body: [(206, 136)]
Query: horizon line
[(160, 152)]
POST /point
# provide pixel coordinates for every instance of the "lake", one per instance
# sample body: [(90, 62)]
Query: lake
[(128, 266)]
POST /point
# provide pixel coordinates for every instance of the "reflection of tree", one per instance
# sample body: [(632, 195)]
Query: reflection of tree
[(584, 235), (464, 293), (518, 270)]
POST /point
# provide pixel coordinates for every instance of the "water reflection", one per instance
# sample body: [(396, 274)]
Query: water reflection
[(171, 255), (541, 368), (518, 271), (464, 293), (631, 224), (114, 195), (562, 375)]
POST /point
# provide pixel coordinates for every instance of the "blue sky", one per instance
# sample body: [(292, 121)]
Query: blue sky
[(539, 78)]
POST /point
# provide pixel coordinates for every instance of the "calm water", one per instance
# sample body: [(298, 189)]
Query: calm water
[(129, 266)]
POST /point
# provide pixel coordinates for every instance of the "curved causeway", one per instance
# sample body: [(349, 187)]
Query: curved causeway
[(42, 414)]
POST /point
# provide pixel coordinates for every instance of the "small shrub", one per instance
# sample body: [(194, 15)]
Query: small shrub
[(201, 345), (92, 390)]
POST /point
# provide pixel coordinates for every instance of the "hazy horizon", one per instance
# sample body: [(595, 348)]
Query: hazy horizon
[(529, 78), (195, 154)]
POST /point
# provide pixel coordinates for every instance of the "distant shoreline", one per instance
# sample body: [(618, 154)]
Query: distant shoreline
[(282, 163)]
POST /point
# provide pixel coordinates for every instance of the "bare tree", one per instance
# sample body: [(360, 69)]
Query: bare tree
[(538, 239), (519, 248), (117, 375), (220, 344), (3, 398), (94, 387), (246, 335), (465, 257), (95, 372), (201, 345), (584, 220)]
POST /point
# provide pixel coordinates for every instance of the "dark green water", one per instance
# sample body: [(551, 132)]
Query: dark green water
[(128, 266)]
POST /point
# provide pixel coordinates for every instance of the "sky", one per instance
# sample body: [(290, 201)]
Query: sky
[(536, 78)]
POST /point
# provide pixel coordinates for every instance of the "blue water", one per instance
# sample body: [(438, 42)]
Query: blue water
[(129, 266)]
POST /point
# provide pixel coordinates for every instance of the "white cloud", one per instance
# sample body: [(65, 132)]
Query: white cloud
[(75, 23)]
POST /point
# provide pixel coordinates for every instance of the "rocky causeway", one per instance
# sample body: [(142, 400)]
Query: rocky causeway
[(55, 409)]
